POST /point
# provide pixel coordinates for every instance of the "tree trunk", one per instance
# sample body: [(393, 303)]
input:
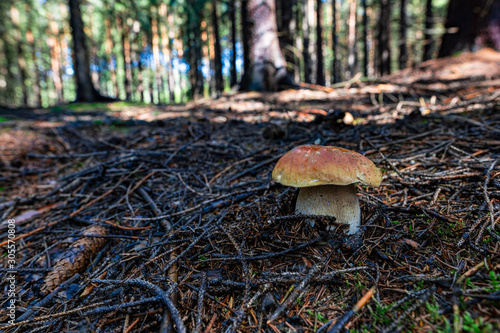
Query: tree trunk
[(232, 19), (365, 39), (142, 72), (21, 61), (463, 24), (171, 77), (167, 75), (156, 52), (429, 23), (110, 64), (85, 90), (208, 54), (122, 27), (299, 16), (55, 66), (320, 70), (403, 22), (37, 92), (219, 80), (306, 28), (335, 61), (384, 37), (268, 68), (351, 42), (287, 32), (195, 54), (246, 27)]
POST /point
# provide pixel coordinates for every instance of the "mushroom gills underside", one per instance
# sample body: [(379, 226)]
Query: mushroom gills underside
[(331, 200)]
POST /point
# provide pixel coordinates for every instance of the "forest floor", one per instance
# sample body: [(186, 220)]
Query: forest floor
[(137, 218)]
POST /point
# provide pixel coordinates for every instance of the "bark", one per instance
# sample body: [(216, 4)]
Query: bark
[(351, 42), (172, 76), (335, 62), (320, 70), (246, 27), (207, 38), (55, 66), (365, 38), (37, 92), (429, 23), (195, 54), (463, 24), (299, 15), (142, 72), (268, 68), (219, 80), (167, 51), (85, 90), (287, 32), (110, 56), (403, 23), (94, 75), (21, 61), (384, 37), (155, 40), (122, 27), (232, 19), (306, 27)]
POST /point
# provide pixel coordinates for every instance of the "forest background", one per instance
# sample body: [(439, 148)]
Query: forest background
[(153, 51)]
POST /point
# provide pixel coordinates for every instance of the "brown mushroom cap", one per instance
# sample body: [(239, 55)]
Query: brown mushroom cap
[(306, 166)]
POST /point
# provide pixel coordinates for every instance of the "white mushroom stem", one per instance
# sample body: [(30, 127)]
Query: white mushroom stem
[(331, 200)]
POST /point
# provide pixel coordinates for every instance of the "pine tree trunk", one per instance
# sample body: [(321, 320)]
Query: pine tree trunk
[(429, 23), (306, 42), (55, 66), (299, 15), (365, 39), (21, 61), (232, 19), (156, 53), (94, 74), (335, 61), (246, 27), (463, 24), (142, 72), (403, 22), (85, 90), (198, 58), (351, 41), (219, 80), (195, 55), (109, 54), (122, 27), (320, 70), (268, 64), (384, 37), (287, 32), (208, 54), (37, 92), (172, 78), (167, 75)]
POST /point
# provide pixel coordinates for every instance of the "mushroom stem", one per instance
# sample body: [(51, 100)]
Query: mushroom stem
[(331, 200)]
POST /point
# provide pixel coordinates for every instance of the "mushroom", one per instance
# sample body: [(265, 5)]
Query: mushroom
[(326, 177)]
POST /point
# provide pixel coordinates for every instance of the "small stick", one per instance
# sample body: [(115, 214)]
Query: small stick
[(345, 318), (211, 323), (486, 197), (160, 293), (470, 272)]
